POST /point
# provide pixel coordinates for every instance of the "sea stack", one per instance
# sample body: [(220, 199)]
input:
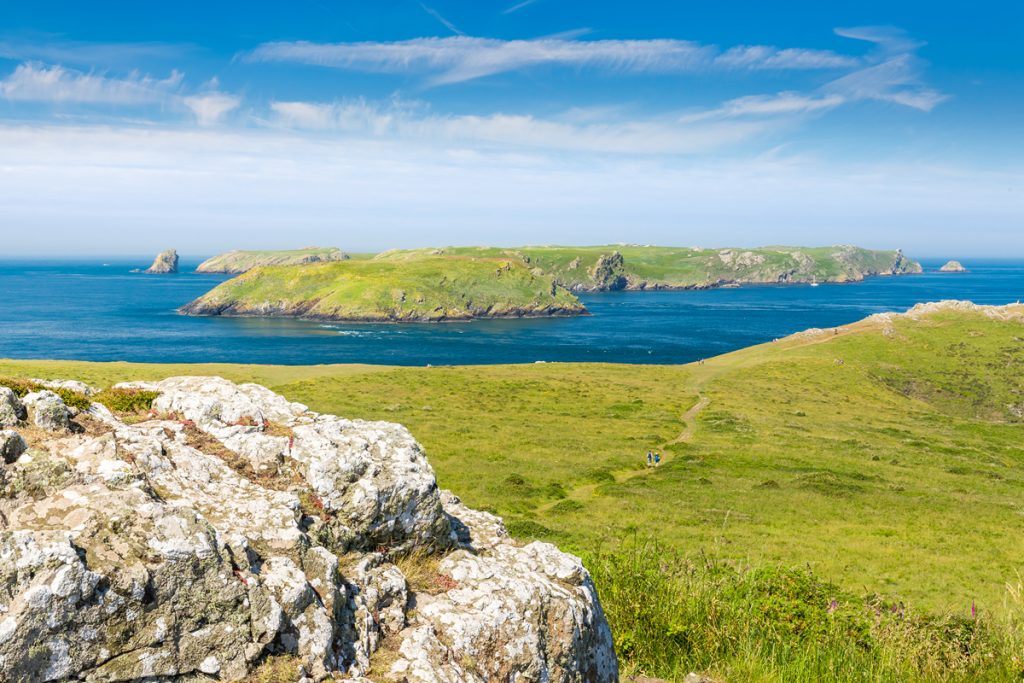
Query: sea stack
[(953, 267), (165, 262)]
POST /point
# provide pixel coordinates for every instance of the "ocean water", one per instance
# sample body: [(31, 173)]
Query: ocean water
[(94, 311)]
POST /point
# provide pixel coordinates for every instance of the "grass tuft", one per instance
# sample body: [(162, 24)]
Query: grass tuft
[(672, 614)]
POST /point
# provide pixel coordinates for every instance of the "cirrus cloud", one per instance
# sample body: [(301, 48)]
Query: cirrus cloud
[(463, 58), (36, 82)]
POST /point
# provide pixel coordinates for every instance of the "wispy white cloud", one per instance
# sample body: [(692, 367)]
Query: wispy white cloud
[(444, 22), (58, 85), (896, 80), (464, 58), (35, 82), (893, 73), (780, 104), (890, 38), (209, 108), (518, 6)]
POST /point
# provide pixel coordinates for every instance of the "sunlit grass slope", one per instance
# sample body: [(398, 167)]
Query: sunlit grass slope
[(423, 289), (240, 261), (645, 267)]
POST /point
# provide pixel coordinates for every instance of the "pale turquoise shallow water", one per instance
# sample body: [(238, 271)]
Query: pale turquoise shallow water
[(91, 311)]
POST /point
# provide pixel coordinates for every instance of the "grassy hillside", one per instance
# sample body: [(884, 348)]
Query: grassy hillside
[(801, 479), (416, 290), (241, 261), (647, 267)]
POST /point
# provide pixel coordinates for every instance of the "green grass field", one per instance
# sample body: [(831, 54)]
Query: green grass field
[(885, 458)]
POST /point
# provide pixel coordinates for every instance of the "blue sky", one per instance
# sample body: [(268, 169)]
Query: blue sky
[(208, 126)]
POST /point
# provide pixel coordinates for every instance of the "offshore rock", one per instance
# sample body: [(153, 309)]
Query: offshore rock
[(237, 528), (165, 262), (953, 267)]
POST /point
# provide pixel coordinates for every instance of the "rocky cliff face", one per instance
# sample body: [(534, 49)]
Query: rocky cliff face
[(165, 262), (229, 530)]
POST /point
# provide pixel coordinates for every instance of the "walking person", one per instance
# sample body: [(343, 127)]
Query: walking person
[(650, 458), (657, 459)]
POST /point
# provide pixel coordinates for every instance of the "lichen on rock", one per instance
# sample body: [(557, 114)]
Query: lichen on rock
[(12, 410), (47, 411), (12, 445), (239, 528)]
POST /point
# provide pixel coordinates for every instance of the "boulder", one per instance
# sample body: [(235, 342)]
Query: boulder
[(558, 626), (69, 384), (11, 445), (160, 550), (165, 262), (47, 410), (12, 410), (953, 267)]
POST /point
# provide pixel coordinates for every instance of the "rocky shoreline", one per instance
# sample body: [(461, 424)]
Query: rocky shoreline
[(302, 312)]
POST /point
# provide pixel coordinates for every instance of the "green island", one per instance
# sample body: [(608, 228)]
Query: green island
[(423, 289), (635, 267), (240, 261), (465, 283), (840, 502)]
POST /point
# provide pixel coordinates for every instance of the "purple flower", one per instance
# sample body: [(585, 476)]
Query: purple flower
[(974, 611), (833, 606)]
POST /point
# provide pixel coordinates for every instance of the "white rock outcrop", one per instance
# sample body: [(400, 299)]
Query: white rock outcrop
[(68, 384), (237, 526), (47, 410), (12, 410)]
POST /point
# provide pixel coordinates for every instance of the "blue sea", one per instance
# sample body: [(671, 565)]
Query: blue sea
[(93, 310)]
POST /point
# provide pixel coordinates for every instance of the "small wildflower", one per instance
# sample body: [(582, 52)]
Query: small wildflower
[(833, 606)]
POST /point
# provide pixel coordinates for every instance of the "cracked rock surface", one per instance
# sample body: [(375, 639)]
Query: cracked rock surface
[(229, 528)]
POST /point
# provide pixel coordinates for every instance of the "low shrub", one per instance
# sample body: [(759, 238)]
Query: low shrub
[(22, 387), (19, 386), (528, 530), (126, 400), (567, 505), (73, 399)]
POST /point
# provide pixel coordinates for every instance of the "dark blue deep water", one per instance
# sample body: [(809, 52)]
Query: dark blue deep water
[(91, 311)]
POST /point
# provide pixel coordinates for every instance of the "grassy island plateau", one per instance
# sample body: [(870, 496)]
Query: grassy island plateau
[(423, 289)]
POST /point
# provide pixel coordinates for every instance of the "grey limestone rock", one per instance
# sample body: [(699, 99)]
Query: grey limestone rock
[(239, 526), (12, 410), (47, 410)]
